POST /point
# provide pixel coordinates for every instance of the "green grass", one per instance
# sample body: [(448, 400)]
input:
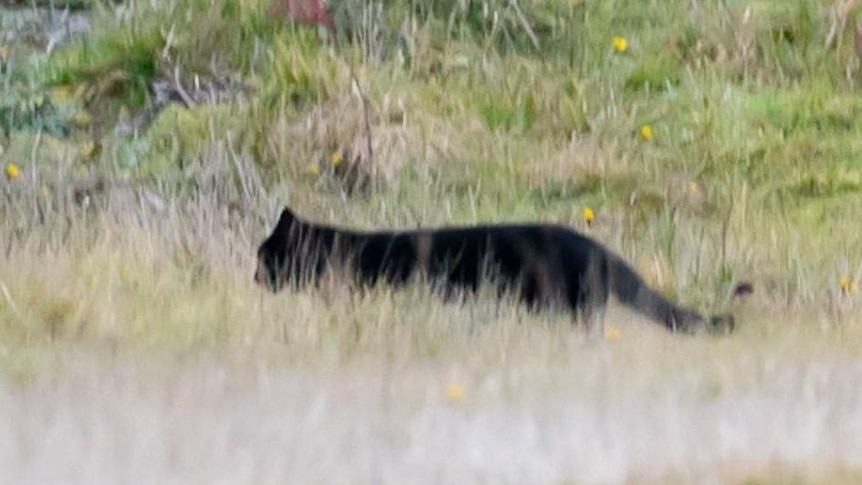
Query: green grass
[(479, 112)]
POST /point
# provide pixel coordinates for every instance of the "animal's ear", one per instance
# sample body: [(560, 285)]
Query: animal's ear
[(287, 217)]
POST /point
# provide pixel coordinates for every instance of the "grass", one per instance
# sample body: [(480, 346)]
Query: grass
[(125, 275)]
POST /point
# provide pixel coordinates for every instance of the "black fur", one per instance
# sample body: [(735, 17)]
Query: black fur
[(544, 265)]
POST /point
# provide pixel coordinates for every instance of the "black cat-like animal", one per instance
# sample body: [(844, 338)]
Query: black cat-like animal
[(546, 266)]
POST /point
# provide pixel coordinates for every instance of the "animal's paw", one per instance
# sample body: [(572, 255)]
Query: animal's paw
[(722, 324)]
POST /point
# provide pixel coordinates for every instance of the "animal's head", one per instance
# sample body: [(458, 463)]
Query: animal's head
[(273, 255)]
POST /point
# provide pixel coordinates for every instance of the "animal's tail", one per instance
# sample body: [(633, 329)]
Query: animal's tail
[(633, 291)]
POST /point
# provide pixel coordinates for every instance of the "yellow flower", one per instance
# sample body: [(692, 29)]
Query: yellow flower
[(313, 168), (612, 333), (646, 132), (620, 43), (455, 392), (12, 171), (335, 159), (846, 284), (589, 215)]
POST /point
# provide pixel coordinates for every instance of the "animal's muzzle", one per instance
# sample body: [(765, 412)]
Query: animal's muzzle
[(263, 278)]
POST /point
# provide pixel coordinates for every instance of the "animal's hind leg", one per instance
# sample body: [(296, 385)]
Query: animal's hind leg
[(591, 314), (588, 307), (588, 297)]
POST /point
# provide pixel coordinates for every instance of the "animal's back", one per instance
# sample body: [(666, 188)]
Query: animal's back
[(544, 263)]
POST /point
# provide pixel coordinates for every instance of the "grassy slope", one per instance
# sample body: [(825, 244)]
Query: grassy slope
[(752, 173)]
